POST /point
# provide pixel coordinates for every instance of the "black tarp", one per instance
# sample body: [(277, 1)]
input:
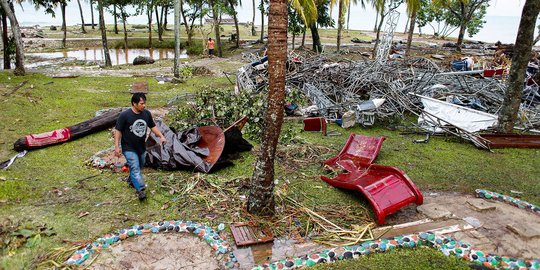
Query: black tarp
[(181, 150)]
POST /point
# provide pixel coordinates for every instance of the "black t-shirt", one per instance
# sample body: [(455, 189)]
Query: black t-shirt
[(133, 128)]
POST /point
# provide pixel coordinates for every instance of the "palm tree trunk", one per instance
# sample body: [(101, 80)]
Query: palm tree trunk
[(317, 46), (293, 38), (92, 13), (149, 10), (411, 32), (303, 38), (64, 27), (522, 55), (536, 39), (82, 17), (176, 66), (235, 18), (162, 23), (261, 194), (188, 31), (341, 16), (165, 18), (348, 14), (253, 32), (115, 15), (261, 7), (19, 53), (125, 30), (215, 17), (5, 40), (159, 21), (461, 35), (104, 35), (158, 24)]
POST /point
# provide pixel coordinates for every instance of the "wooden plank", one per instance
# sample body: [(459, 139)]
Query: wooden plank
[(247, 234)]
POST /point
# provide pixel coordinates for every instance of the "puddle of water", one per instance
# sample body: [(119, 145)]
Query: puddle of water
[(118, 56), (271, 252)]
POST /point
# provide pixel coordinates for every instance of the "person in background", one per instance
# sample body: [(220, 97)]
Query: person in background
[(210, 46), (131, 128)]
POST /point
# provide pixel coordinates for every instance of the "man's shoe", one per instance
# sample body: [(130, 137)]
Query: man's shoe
[(141, 195)]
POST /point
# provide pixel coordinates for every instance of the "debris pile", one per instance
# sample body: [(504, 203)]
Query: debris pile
[(32, 32), (339, 86)]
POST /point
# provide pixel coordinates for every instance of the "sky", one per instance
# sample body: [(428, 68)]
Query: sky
[(503, 29)]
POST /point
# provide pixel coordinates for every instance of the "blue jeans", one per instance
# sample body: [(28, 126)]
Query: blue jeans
[(135, 163)]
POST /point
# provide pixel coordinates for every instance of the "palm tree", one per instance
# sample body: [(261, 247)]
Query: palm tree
[(214, 6), (196, 8), (343, 5), (253, 32), (149, 15), (5, 39), (412, 8), (522, 55), (63, 5), (464, 11), (82, 17), (19, 53), (92, 12), (232, 5), (261, 195), (261, 9), (176, 67), (104, 35)]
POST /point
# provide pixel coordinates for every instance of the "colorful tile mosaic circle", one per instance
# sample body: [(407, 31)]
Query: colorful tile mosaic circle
[(211, 237)]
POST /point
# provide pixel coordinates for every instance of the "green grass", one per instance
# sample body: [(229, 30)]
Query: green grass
[(29, 189)]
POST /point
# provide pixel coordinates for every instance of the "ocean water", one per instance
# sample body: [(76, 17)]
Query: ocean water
[(503, 28)]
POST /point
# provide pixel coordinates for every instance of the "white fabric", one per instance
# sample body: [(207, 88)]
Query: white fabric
[(462, 117)]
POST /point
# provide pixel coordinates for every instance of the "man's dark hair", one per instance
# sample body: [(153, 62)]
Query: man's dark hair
[(137, 97), (209, 38)]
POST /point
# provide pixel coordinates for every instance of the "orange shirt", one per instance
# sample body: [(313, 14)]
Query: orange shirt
[(211, 44)]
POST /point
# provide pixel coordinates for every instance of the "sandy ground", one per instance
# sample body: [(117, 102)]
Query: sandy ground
[(499, 228), (158, 251)]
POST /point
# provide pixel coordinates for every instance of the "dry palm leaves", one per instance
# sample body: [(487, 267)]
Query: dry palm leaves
[(328, 232)]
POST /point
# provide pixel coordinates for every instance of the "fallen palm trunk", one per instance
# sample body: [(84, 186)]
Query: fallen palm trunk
[(98, 123)]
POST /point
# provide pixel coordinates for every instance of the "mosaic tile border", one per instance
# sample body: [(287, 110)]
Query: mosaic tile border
[(209, 235), (447, 246), (486, 194)]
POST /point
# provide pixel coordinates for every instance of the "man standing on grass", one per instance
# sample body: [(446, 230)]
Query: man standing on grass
[(131, 128), (210, 46)]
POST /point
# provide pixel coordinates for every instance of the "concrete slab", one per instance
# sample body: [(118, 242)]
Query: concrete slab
[(479, 240), (434, 211), (481, 205), (525, 230)]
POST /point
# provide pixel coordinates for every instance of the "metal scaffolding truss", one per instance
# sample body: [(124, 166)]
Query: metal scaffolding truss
[(385, 43)]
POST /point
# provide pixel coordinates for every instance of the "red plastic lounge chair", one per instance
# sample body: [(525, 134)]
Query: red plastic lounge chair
[(387, 188)]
